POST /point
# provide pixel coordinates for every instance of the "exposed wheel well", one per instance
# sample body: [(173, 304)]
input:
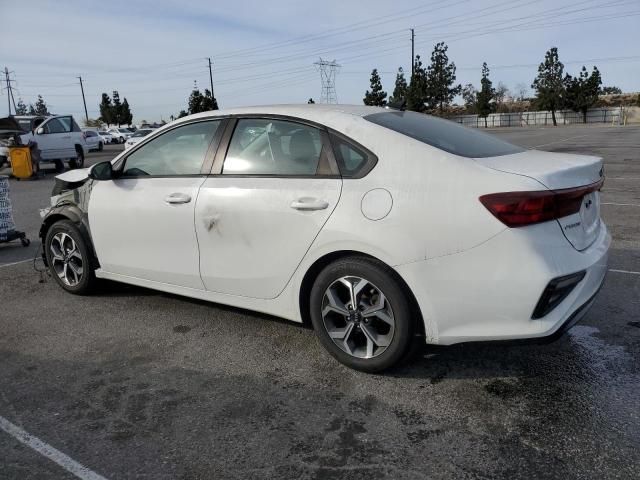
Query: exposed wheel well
[(322, 262)]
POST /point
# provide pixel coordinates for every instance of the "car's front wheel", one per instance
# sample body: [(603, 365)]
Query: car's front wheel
[(361, 314), (68, 258)]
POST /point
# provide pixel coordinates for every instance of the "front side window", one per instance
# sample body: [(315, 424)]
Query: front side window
[(444, 134), (180, 151), (274, 147), (54, 126)]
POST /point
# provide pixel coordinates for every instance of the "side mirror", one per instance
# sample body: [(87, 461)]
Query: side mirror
[(101, 171), (40, 131)]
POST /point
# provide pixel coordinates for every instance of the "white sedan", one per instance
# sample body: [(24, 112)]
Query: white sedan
[(137, 137), (120, 135), (381, 228), (106, 137)]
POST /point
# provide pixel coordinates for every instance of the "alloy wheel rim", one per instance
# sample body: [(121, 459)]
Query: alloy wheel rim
[(66, 259), (358, 317)]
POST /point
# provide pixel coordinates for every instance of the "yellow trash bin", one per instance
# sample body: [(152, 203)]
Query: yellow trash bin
[(21, 165)]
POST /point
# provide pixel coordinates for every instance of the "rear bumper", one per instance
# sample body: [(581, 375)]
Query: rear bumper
[(490, 292)]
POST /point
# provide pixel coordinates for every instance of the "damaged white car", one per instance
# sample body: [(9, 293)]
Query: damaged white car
[(381, 228)]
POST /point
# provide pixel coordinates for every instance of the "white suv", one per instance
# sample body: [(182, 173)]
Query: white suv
[(59, 139)]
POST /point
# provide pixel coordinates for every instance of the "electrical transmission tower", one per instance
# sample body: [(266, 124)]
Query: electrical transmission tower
[(328, 72)]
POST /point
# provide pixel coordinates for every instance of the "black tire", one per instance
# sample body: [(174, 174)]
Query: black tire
[(59, 165), (384, 280), (100, 146), (87, 280), (77, 162)]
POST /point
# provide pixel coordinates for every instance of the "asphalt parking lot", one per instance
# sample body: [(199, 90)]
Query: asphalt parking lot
[(132, 383)]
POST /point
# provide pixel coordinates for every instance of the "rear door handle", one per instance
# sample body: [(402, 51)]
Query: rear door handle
[(307, 203), (176, 198)]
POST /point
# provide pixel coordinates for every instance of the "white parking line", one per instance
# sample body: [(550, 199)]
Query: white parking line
[(621, 204), (69, 464), (629, 272), (560, 141), (16, 263)]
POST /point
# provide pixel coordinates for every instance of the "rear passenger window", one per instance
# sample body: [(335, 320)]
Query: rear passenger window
[(273, 147), (351, 159)]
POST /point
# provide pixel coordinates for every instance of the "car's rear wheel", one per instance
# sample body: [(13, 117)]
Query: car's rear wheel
[(361, 314), (77, 162), (68, 258)]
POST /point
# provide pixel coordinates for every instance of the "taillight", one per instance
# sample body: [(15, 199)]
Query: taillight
[(517, 209)]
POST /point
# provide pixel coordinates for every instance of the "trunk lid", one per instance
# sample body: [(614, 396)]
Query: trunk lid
[(560, 171)]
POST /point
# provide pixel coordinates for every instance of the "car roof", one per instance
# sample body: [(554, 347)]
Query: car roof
[(329, 115)]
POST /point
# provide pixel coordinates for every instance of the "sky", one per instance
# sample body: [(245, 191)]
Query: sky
[(264, 52)]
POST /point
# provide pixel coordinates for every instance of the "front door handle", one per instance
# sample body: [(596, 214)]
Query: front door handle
[(306, 203), (176, 198)]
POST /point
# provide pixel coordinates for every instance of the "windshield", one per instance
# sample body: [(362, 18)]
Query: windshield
[(141, 133), (444, 134)]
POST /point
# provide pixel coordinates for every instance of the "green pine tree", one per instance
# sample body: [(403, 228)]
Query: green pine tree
[(400, 89), (582, 91), (441, 76), (376, 97), (485, 95), (549, 84), (209, 102), (417, 91), (106, 109), (41, 107), (127, 116), (195, 100), (116, 109), (21, 108)]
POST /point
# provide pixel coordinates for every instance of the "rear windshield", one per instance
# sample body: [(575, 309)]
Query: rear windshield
[(444, 134)]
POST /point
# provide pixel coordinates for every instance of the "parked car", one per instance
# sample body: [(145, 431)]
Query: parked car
[(59, 139), (380, 228), (120, 135), (137, 137), (94, 141), (106, 136)]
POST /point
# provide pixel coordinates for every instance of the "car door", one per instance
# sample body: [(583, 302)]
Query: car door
[(142, 222), (264, 205), (54, 139)]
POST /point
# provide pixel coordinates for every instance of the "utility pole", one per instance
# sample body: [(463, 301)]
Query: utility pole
[(9, 93), (413, 56), (211, 77), (13, 100), (86, 114)]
